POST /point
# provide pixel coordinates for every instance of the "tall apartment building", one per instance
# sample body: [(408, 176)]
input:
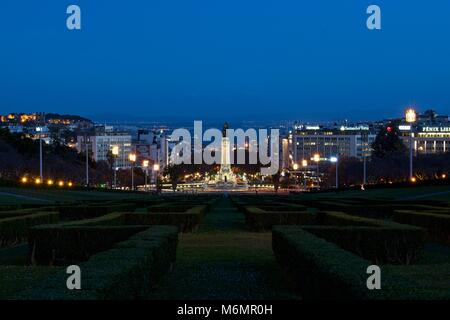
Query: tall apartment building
[(102, 140)]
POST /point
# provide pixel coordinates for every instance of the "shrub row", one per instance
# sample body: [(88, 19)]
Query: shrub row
[(437, 225), (62, 245), (24, 212), (320, 269), (185, 221), (15, 229), (258, 219), (127, 271), (92, 211), (323, 270)]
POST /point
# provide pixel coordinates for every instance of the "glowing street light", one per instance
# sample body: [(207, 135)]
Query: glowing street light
[(336, 161), (24, 180), (411, 117), (132, 158), (295, 166), (304, 163), (115, 153), (70, 184), (155, 173), (50, 182), (316, 159), (145, 165), (61, 183), (38, 181)]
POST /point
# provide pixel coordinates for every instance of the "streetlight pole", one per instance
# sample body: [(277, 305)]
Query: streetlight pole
[(410, 117), (145, 165), (87, 160), (42, 122), (317, 159), (115, 152), (335, 160), (132, 158), (156, 170)]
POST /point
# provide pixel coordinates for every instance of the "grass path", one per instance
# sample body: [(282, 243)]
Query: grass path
[(224, 261)]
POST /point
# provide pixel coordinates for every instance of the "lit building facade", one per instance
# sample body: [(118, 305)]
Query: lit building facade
[(101, 143), (431, 133), (305, 141)]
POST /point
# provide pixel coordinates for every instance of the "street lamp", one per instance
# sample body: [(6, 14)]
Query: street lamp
[(410, 117), (155, 172), (145, 165), (115, 152), (132, 158), (316, 159), (336, 161), (295, 166)]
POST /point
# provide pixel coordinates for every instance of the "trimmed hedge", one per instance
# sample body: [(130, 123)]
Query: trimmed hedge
[(25, 212), (322, 270), (379, 241), (62, 245), (15, 229), (437, 225), (258, 219), (376, 244), (92, 211), (127, 271), (14, 279), (186, 221)]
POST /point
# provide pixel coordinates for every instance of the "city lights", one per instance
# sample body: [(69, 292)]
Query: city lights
[(115, 150), (316, 157), (69, 184), (413, 179), (61, 183), (295, 166), (304, 163), (50, 182), (24, 180), (132, 157), (38, 181), (410, 115)]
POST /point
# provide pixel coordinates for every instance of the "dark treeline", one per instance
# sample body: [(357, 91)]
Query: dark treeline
[(19, 156)]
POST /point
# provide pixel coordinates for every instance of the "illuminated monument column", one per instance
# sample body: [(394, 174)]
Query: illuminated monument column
[(225, 174)]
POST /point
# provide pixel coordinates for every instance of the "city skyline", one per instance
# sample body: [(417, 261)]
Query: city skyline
[(201, 60)]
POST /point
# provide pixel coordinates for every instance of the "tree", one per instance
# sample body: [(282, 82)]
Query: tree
[(174, 172), (276, 181), (388, 142)]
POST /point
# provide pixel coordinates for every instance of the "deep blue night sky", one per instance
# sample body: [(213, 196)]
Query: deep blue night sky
[(233, 59)]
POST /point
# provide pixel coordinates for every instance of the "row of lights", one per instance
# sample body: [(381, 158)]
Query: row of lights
[(49, 182)]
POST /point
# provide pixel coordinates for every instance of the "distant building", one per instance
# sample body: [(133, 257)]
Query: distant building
[(101, 143), (431, 133), (305, 141), (153, 146)]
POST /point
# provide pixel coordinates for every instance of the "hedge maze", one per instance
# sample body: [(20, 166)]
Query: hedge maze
[(122, 247), (326, 244), (322, 245)]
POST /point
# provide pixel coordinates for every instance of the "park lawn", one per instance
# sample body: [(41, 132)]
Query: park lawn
[(32, 195), (441, 193)]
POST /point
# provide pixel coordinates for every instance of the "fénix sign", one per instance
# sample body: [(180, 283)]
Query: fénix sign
[(435, 129)]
